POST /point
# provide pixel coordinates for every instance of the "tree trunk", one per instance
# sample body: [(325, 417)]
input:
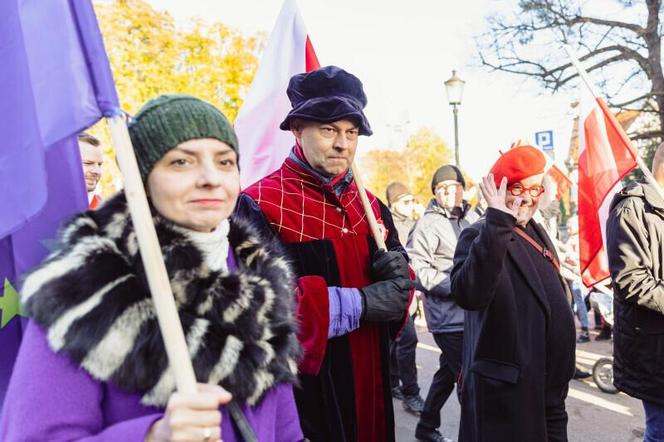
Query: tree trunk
[(654, 43)]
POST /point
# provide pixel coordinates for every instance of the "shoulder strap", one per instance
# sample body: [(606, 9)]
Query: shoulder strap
[(543, 250)]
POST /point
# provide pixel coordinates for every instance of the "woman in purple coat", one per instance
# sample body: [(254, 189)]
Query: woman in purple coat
[(93, 366)]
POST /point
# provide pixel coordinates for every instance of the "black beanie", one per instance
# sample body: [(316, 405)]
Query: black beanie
[(447, 172), (168, 120)]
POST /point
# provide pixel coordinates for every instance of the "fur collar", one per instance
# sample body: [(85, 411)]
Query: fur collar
[(92, 299)]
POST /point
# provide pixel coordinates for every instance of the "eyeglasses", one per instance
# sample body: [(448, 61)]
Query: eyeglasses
[(452, 187), (517, 189)]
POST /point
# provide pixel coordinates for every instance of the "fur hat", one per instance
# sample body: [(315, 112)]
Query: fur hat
[(518, 163), (447, 172), (326, 95), (168, 120)]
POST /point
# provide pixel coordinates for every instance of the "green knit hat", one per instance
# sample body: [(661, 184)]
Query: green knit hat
[(168, 120)]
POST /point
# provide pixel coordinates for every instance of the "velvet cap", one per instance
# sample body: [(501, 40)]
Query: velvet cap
[(326, 95)]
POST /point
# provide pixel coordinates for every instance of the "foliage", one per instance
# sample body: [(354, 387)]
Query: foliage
[(414, 166), (150, 55)]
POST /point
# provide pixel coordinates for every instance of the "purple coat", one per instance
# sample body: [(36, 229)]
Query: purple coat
[(49, 397)]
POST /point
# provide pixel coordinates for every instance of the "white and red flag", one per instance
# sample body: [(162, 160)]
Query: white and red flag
[(263, 146), (606, 155)]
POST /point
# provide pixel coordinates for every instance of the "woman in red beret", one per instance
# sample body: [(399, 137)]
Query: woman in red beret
[(519, 335)]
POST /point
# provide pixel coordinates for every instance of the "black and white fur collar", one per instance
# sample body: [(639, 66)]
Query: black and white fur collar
[(92, 299)]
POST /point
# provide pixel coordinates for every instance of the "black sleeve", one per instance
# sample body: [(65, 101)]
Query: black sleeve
[(630, 259), (248, 210), (479, 258)]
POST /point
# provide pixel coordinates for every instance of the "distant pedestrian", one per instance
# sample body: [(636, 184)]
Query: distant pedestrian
[(92, 159), (571, 262), (431, 249), (403, 367)]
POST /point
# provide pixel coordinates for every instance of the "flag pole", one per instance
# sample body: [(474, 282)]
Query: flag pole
[(586, 79), (155, 269), (371, 218)]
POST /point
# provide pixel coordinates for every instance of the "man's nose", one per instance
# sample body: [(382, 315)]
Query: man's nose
[(526, 198), (341, 142)]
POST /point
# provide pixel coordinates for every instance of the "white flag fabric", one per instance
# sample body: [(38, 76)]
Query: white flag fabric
[(263, 146)]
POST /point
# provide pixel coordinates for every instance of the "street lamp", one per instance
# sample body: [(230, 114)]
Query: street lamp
[(454, 87)]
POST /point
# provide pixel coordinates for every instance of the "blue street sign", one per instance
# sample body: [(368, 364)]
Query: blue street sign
[(544, 139)]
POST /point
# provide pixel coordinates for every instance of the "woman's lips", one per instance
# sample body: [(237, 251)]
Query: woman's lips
[(208, 202)]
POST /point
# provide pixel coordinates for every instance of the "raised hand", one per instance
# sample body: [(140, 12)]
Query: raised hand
[(497, 198)]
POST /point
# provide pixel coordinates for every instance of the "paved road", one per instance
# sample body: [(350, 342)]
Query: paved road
[(593, 415)]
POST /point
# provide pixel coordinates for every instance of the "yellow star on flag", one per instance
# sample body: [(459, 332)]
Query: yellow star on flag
[(9, 304)]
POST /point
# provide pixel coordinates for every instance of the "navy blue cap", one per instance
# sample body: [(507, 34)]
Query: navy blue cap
[(326, 95)]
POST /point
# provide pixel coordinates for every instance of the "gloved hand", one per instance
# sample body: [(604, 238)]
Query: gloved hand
[(389, 265), (386, 301)]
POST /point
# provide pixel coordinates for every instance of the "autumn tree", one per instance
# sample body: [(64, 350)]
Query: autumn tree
[(619, 43), (413, 166), (150, 55)]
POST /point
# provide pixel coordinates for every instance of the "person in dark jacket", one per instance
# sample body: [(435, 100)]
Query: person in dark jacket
[(519, 335), (431, 249), (403, 349), (635, 245)]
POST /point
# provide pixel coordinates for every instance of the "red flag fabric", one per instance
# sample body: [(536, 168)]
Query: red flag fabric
[(606, 155), (563, 183), (263, 146)]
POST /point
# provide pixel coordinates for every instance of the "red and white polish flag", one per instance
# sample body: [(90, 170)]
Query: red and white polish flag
[(606, 155), (263, 146)]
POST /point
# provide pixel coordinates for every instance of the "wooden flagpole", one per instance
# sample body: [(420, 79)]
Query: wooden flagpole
[(371, 218), (586, 79), (167, 315)]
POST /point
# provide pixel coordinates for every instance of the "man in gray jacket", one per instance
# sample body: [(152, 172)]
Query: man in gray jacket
[(431, 250)]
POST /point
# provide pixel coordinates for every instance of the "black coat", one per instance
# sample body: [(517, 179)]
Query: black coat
[(635, 231), (517, 361)]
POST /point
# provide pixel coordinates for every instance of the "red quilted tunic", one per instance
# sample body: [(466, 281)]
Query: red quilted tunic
[(333, 245), (300, 208)]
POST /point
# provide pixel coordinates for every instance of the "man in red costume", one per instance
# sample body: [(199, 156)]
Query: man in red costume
[(350, 296)]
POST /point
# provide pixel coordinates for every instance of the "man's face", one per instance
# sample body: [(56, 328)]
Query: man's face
[(328, 147), (529, 203), (449, 194), (92, 159), (405, 205)]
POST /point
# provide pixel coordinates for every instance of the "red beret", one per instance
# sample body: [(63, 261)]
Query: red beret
[(518, 163)]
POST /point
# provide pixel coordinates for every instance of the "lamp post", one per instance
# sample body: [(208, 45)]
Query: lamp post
[(454, 87)]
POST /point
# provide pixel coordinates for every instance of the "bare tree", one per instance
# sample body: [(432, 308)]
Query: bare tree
[(620, 45)]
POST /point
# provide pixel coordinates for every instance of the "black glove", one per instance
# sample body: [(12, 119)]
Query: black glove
[(386, 301), (389, 265)]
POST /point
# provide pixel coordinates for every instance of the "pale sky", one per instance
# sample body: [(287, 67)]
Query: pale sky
[(403, 52)]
